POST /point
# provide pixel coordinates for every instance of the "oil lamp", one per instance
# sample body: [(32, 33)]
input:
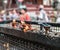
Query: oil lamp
[(26, 28), (47, 28), (14, 23)]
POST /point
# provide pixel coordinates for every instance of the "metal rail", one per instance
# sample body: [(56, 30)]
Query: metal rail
[(8, 42)]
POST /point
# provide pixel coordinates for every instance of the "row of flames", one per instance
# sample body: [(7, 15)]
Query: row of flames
[(23, 25)]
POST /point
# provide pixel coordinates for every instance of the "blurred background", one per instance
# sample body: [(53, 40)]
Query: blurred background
[(52, 7)]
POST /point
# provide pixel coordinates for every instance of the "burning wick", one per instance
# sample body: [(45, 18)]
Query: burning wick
[(26, 28), (14, 23), (14, 20)]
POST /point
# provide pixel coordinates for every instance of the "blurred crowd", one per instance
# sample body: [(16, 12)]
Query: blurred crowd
[(8, 15), (22, 15)]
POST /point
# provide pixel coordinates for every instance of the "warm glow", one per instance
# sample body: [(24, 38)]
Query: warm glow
[(22, 22), (14, 20), (4, 45)]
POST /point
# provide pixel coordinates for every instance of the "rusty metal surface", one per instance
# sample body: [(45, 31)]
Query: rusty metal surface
[(35, 37), (31, 36)]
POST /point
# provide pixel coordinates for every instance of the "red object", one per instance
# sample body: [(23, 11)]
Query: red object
[(25, 18), (20, 0), (1, 20)]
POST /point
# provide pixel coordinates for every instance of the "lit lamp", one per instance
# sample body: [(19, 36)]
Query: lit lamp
[(6, 45), (14, 23)]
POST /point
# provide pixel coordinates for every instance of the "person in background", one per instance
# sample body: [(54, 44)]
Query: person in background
[(7, 15), (55, 4), (13, 14), (24, 16), (3, 15), (42, 14), (37, 15), (1, 19), (58, 17)]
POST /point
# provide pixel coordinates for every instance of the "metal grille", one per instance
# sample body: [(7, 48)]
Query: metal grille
[(55, 29), (12, 43)]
